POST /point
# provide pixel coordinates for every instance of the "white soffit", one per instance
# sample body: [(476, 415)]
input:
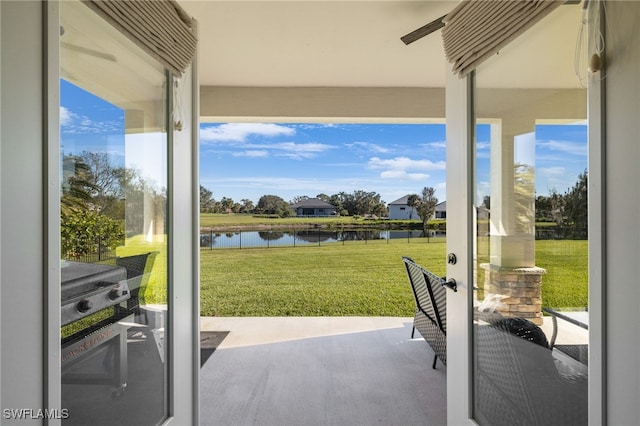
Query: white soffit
[(357, 44)]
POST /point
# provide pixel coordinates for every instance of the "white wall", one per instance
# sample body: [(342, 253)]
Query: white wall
[(396, 212), (21, 214), (622, 201)]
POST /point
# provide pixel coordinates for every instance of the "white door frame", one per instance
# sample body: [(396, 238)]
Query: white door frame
[(460, 231), (460, 238)]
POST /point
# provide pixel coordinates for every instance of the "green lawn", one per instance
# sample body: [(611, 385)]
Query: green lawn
[(355, 278), (566, 283)]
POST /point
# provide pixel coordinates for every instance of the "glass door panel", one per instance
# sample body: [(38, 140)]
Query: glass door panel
[(530, 320), (113, 204)]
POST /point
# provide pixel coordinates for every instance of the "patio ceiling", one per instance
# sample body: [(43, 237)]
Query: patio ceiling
[(350, 44)]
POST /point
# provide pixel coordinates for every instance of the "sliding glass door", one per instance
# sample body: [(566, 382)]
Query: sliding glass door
[(114, 104)]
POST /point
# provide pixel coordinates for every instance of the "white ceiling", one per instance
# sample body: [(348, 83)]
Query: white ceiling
[(331, 43), (317, 43)]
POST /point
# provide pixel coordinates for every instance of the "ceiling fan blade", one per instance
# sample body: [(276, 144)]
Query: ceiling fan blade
[(423, 31)]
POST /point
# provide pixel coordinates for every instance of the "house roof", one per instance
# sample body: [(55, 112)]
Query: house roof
[(440, 207), (313, 203), (401, 201)]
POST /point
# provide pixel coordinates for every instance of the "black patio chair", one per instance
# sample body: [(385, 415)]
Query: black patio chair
[(518, 380), (430, 318), (138, 271)]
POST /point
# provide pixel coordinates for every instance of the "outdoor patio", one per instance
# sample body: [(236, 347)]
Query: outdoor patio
[(327, 370), (320, 371)]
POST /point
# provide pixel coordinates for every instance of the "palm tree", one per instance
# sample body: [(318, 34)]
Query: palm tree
[(77, 188), (412, 201)]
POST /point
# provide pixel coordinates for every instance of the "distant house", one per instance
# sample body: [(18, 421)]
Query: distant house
[(399, 209), (314, 207)]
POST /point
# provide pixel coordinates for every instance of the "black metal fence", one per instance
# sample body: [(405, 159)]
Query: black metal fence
[(305, 237), (561, 233), (276, 237), (88, 250)]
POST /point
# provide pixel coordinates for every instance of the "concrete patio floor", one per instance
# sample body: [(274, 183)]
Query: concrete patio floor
[(328, 371), (320, 371)]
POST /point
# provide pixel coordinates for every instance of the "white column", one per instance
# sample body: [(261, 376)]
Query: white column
[(512, 222)]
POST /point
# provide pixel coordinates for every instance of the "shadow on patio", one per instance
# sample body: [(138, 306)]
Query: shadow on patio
[(320, 371)]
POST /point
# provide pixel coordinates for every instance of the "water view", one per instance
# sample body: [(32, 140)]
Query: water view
[(297, 237)]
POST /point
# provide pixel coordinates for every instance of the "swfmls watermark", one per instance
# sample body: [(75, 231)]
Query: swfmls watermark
[(35, 413)]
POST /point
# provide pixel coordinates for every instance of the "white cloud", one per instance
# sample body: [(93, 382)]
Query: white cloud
[(553, 179), (236, 135), (72, 123), (368, 147), (404, 168), (300, 150), (551, 171), (240, 132), (567, 147), (402, 175), (66, 116), (436, 145), (251, 153), (405, 164)]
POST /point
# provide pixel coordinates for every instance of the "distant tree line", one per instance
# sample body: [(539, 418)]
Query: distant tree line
[(569, 210), (347, 204)]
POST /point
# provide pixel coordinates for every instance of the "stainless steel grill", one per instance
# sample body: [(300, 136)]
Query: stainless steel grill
[(88, 288), (96, 351)]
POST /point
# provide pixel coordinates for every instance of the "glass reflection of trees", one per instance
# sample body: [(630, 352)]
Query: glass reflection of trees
[(95, 194)]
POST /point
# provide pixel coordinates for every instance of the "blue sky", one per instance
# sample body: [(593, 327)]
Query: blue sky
[(88, 123), (242, 160), (248, 160)]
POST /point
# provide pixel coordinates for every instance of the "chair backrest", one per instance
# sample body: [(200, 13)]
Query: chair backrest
[(429, 294), (138, 271), (518, 381), (133, 264)]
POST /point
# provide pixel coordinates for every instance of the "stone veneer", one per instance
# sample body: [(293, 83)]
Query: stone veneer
[(522, 288)]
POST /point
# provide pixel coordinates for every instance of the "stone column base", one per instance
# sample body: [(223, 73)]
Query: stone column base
[(521, 288)]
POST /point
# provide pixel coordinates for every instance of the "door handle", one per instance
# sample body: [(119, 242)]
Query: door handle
[(451, 283)]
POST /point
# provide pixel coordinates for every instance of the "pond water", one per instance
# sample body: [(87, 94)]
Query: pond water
[(279, 238)]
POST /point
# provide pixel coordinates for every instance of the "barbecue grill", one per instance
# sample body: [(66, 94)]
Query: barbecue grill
[(87, 289)]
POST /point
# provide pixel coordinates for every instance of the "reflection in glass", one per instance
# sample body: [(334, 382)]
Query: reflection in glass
[(113, 206), (529, 361)]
